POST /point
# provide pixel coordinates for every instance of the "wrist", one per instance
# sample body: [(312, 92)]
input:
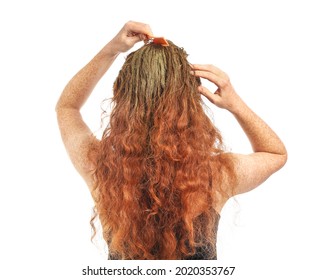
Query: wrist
[(237, 106), (110, 50)]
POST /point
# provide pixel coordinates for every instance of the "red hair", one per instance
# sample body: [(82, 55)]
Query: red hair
[(158, 161)]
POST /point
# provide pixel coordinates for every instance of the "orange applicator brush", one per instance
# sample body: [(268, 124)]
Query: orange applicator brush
[(158, 40)]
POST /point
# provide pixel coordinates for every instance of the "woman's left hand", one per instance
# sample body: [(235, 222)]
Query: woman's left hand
[(131, 33)]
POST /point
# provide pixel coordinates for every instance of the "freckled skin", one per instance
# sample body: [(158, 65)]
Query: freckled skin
[(269, 153)]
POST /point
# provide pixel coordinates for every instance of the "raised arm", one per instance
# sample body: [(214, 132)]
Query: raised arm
[(269, 152), (76, 135)]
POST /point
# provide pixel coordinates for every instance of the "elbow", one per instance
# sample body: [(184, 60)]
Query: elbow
[(284, 155), (283, 158), (62, 106), (59, 105), (59, 110)]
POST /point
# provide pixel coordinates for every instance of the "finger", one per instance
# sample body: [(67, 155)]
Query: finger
[(143, 37), (139, 28), (209, 68), (213, 98), (135, 39), (217, 80)]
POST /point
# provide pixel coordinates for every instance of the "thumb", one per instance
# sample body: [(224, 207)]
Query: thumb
[(213, 98), (135, 39)]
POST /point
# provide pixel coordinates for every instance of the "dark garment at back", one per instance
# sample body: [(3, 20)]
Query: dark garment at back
[(205, 252)]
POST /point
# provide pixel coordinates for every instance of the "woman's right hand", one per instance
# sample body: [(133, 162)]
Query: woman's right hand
[(131, 33), (225, 96)]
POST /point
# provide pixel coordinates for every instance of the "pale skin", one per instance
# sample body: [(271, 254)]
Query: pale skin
[(269, 153)]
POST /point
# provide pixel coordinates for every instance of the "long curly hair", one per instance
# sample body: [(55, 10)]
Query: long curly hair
[(158, 161)]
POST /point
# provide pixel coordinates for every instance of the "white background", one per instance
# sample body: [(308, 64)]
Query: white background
[(268, 48)]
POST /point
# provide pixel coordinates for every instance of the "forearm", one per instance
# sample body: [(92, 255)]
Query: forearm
[(260, 135), (82, 84)]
